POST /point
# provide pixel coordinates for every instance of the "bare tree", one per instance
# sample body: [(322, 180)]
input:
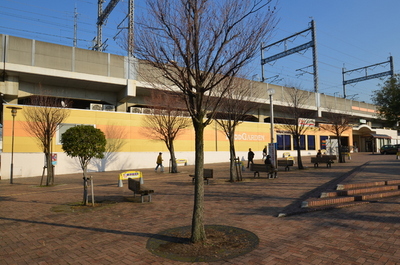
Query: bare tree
[(166, 121), (192, 47), (338, 123), (43, 119), (235, 108), (297, 117)]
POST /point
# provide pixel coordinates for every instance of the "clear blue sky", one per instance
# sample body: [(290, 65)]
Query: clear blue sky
[(350, 34)]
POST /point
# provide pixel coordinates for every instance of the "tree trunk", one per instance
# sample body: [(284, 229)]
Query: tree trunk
[(299, 160), (51, 171), (174, 167), (49, 168), (48, 151), (198, 231), (232, 168), (85, 187), (341, 157)]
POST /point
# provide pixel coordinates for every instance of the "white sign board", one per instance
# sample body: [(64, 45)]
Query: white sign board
[(306, 122)]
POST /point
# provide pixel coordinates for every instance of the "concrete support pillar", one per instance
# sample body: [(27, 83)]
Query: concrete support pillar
[(10, 88)]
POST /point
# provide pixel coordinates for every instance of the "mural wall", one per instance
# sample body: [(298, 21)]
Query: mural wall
[(135, 148)]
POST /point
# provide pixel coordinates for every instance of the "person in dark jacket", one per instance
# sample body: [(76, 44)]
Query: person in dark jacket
[(268, 163), (319, 154), (264, 153), (272, 172), (250, 157)]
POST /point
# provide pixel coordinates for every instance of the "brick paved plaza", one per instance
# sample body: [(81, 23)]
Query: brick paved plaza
[(35, 228)]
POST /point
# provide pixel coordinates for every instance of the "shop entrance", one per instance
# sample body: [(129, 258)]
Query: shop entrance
[(368, 145)]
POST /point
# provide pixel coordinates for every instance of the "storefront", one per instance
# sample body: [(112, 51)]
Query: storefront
[(367, 139)]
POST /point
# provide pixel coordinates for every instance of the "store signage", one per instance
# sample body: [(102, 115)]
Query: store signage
[(249, 137), (306, 122)]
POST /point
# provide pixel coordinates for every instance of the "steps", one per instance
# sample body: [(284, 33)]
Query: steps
[(353, 194)]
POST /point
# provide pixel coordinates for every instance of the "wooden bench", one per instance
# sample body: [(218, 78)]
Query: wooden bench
[(257, 168), (332, 157), (324, 159), (285, 163), (207, 174), (137, 188)]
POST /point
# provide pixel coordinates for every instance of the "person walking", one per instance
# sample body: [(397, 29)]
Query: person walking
[(250, 157), (159, 162), (264, 153)]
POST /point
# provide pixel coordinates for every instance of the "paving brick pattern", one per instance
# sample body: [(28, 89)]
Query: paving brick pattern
[(31, 233)]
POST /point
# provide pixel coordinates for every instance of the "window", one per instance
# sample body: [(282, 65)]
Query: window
[(310, 142), (323, 140), (63, 127), (302, 143), (284, 142)]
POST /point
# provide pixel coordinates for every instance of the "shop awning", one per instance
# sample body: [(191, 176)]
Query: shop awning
[(382, 136)]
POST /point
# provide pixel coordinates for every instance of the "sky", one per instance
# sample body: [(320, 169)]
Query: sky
[(350, 34)]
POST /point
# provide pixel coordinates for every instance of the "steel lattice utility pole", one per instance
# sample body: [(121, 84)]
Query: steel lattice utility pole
[(131, 27), (75, 27), (315, 65), (367, 76), (311, 44), (103, 15), (101, 18)]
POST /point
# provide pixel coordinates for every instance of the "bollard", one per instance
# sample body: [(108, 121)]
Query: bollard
[(120, 183)]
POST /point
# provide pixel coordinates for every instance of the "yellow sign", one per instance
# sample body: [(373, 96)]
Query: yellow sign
[(181, 161), (130, 174)]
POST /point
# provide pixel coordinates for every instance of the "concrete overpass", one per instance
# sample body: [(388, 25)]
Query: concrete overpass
[(113, 82)]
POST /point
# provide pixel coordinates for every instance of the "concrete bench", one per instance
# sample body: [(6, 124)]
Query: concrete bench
[(137, 188), (257, 168), (207, 174)]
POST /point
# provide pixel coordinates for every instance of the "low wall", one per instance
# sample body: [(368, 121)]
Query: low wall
[(31, 164)]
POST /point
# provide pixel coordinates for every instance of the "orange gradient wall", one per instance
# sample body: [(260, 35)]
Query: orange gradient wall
[(130, 128)]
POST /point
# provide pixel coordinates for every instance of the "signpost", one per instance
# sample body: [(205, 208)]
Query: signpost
[(272, 153)]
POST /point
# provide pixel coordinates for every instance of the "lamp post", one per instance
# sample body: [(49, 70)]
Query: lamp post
[(271, 92), (13, 114)]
